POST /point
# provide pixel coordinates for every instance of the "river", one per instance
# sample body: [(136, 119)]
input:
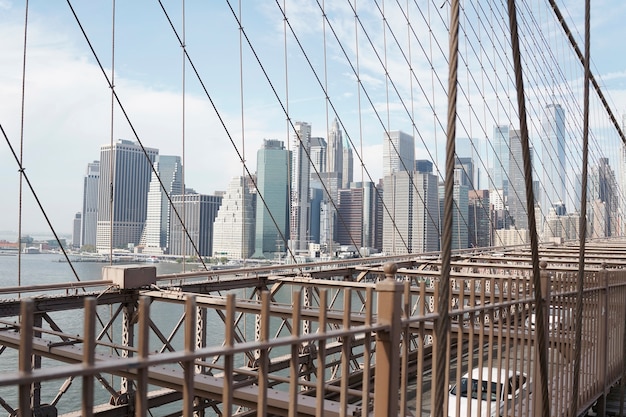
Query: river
[(52, 268)]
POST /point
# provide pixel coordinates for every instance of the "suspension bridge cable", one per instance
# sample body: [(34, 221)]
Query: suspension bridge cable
[(521, 103), (442, 325), (583, 220), (21, 158)]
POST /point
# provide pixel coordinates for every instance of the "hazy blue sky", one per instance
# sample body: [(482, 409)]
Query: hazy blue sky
[(68, 103)]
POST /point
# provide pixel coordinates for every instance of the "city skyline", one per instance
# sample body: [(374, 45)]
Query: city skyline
[(73, 112)]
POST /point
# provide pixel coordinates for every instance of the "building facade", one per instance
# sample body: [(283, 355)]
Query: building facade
[(166, 181), (123, 194), (300, 203), (553, 155), (410, 213), (199, 212), (234, 226), (272, 208), (91, 185), (398, 152)]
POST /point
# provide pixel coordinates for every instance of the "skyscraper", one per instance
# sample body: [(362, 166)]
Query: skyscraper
[(273, 198), (125, 176), (603, 195), (517, 186), (479, 215), (199, 212), (233, 229), (553, 155), (300, 169), (500, 180), (347, 175), (410, 213), (460, 221), (318, 156), (335, 149), (464, 172), (356, 220), (76, 230), (398, 152), (90, 204), (156, 233)]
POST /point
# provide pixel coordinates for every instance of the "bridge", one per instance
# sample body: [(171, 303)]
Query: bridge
[(513, 305)]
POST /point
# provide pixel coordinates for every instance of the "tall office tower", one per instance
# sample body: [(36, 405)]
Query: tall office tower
[(335, 149), (76, 230), (379, 217), (560, 227), (125, 175), (315, 217), (460, 211), (347, 176), (479, 215), (499, 179), (517, 186), (156, 233), (603, 188), (199, 212), (233, 230), (318, 156), (553, 155), (90, 205), (357, 215), (410, 213), (464, 172), (398, 152), (272, 209), (300, 168), (423, 165)]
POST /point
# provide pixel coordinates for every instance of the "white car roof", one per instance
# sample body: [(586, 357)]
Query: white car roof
[(504, 374)]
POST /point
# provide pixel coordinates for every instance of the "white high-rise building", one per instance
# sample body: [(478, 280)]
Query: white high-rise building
[(125, 176), (335, 149), (347, 176), (398, 152), (234, 227), (410, 213), (553, 156), (500, 179), (516, 199), (300, 171), (90, 204), (156, 234)]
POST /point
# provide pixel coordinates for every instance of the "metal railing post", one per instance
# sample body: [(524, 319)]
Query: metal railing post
[(386, 381), (545, 303), (603, 339)]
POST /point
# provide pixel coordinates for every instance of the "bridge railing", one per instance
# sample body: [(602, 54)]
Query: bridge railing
[(491, 339)]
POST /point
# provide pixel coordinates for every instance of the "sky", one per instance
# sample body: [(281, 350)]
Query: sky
[(68, 104)]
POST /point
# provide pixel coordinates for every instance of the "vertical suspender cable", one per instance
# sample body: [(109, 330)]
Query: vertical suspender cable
[(288, 124), (583, 211), (111, 153), (443, 320), (183, 47), (329, 187), (19, 215), (530, 202), (244, 179)]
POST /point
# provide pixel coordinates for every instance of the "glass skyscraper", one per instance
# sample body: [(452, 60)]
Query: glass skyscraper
[(553, 156), (398, 152), (272, 209), (156, 234)]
